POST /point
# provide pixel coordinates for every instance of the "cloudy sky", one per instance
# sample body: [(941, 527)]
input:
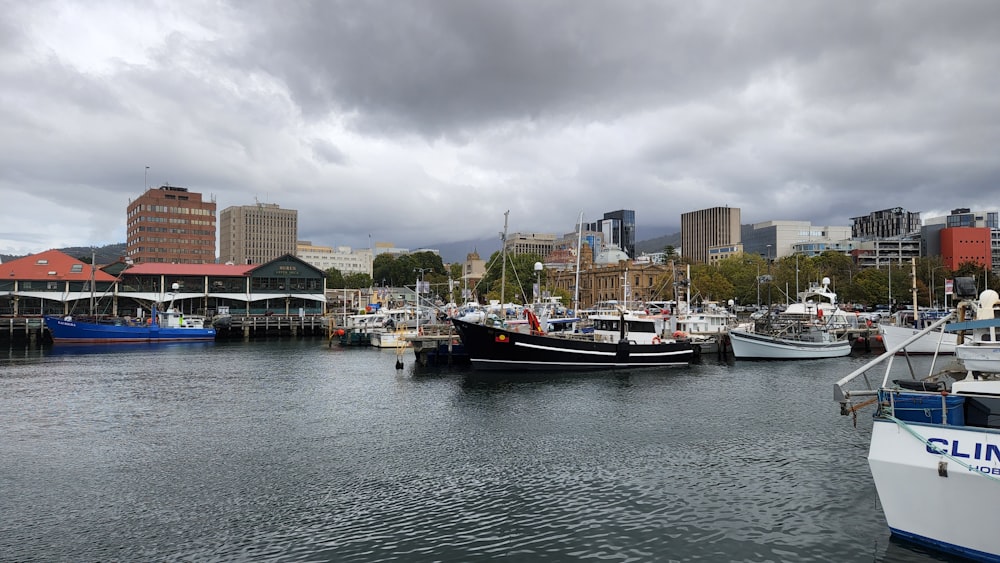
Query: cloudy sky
[(420, 122)]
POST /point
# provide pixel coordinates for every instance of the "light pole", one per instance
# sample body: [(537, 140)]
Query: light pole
[(538, 282), (933, 299), (758, 286), (625, 289), (419, 288), (145, 181), (769, 276)]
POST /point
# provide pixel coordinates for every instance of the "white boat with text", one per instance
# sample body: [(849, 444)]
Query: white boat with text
[(934, 453)]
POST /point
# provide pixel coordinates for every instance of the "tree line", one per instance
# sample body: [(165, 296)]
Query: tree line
[(746, 279)]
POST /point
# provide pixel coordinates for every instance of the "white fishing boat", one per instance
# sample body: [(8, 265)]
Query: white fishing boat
[(935, 443), (395, 327), (905, 324), (708, 326), (806, 330), (788, 341)]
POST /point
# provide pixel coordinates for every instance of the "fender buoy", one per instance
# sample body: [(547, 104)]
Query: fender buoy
[(680, 334), (656, 340)]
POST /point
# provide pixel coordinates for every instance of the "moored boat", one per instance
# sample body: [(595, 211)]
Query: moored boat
[(166, 326), (792, 341), (929, 342), (935, 441), (979, 351), (625, 341), (808, 329)]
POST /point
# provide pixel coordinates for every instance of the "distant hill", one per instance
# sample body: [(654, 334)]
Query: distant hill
[(452, 252), (102, 255), (658, 244)]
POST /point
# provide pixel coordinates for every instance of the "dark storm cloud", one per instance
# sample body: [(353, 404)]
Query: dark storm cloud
[(447, 113), (452, 67)]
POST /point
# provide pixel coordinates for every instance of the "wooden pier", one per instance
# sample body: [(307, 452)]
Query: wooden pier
[(254, 327), (439, 345), (29, 330)]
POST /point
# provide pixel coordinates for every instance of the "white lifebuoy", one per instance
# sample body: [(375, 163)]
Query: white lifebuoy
[(656, 340)]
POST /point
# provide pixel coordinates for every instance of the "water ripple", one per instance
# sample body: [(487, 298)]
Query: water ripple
[(294, 451)]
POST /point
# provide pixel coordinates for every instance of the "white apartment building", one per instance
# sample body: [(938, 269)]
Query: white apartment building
[(343, 258)]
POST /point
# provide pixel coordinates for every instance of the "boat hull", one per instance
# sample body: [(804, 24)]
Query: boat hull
[(979, 357), (69, 331), (953, 508), (393, 339), (495, 348), (893, 335), (748, 345)]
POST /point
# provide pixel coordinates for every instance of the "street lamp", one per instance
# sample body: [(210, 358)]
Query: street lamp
[(624, 279), (933, 299), (758, 286), (538, 282), (769, 276), (420, 283)]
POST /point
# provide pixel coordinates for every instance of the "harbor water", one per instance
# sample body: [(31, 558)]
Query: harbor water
[(295, 451)]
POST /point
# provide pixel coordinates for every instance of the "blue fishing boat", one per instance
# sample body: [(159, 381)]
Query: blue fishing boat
[(166, 326)]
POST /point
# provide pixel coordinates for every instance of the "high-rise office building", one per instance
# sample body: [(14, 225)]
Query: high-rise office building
[(255, 234), (617, 228), (170, 224), (706, 228), (884, 224)]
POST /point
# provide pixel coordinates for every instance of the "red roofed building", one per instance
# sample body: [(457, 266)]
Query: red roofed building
[(54, 283), (43, 283)]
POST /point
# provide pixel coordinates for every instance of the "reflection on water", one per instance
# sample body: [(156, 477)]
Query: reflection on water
[(292, 450)]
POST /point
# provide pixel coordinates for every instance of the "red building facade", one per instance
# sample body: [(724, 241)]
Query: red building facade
[(965, 244)]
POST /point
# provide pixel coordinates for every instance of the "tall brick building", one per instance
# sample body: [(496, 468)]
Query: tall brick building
[(172, 225)]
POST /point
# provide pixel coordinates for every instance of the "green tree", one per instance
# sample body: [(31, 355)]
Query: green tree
[(669, 253), (357, 280), (403, 270), (334, 279), (741, 271), (871, 286), (520, 277), (708, 284)]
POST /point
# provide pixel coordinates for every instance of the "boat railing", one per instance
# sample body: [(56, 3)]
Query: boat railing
[(844, 391)]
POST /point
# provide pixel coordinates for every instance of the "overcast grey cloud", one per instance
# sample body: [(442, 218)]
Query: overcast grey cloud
[(421, 122)]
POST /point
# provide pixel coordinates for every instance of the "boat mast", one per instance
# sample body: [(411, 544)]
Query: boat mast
[(687, 290), (93, 276), (503, 256), (579, 244), (913, 289)]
